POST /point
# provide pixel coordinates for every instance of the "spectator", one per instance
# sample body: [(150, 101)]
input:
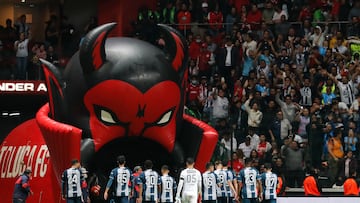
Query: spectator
[(237, 162), (215, 19), (202, 18), (294, 158), (184, 19), (288, 107), (22, 26), (304, 119), (246, 147), (263, 147), (350, 142), (254, 114), (22, 53), (347, 166), (336, 152), (254, 17), (268, 13), (220, 105), (318, 37), (229, 143), (280, 129), (228, 60), (278, 13), (231, 19)]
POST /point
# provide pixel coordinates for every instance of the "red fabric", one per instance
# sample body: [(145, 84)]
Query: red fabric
[(137, 114), (208, 143), (62, 140), (261, 148), (310, 187), (305, 13), (335, 8), (254, 19), (28, 152), (193, 92), (239, 3), (204, 60), (237, 165), (194, 50), (184, 17), (215, 20)]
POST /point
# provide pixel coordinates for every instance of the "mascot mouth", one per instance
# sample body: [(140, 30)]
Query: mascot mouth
[(136, 151)]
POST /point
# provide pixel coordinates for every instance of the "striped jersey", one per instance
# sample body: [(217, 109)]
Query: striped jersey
[(210, 182), (231, 177), (150, 180), (221, 189), (168, 187), (248, 177), (269, 182), (120, 180), (71, 182), (190, 182)]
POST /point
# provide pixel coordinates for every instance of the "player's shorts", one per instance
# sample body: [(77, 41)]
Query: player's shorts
[(189, 198)]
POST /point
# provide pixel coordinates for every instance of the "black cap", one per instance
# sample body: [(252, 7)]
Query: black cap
[(27, 171)]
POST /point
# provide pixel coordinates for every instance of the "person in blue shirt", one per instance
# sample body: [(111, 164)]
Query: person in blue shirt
[(149, 184), (249, 183), (269, 183), (168, 186), (22, 187), (119, 180)]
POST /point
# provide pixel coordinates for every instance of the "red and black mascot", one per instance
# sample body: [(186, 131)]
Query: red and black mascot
[(122, 96)]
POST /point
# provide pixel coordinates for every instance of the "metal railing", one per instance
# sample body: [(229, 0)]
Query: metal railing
[(194, 25)]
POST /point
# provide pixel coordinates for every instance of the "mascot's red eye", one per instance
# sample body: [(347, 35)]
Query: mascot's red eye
[(107, 116), (164, 118)]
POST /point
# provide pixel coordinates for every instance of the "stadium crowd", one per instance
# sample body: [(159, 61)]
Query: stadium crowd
[(277, 91)]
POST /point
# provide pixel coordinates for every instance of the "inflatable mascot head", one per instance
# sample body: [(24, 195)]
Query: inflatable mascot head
[(123, 96)]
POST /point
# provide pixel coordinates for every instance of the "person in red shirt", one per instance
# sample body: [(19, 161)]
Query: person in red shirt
[(215, 19), (206, 60), (254, 17), (305, 13), (193, 90), (237, 163), (184, 19), (194, 48), (351, 187), (311, 184)]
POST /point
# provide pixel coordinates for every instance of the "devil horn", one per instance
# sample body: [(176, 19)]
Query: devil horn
[(92, 49), (175, 46)]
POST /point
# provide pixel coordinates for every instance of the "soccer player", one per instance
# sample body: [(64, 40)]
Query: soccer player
[(210, 183), (134, 186), (22, 187), (168, 186), (269, 183), (149, 184), (189, 184), (249, 183), (72, 179), (222, 194), (120, 180), (231, 184)]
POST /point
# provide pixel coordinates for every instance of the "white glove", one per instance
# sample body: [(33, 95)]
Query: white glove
[(177, 200)]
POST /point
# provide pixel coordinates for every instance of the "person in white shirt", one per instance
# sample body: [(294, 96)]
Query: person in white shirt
[(226, 142), (190, 181), (346, 89), (22, 53), (220, 105), (210, 183), (254, 114), (246, 147)]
